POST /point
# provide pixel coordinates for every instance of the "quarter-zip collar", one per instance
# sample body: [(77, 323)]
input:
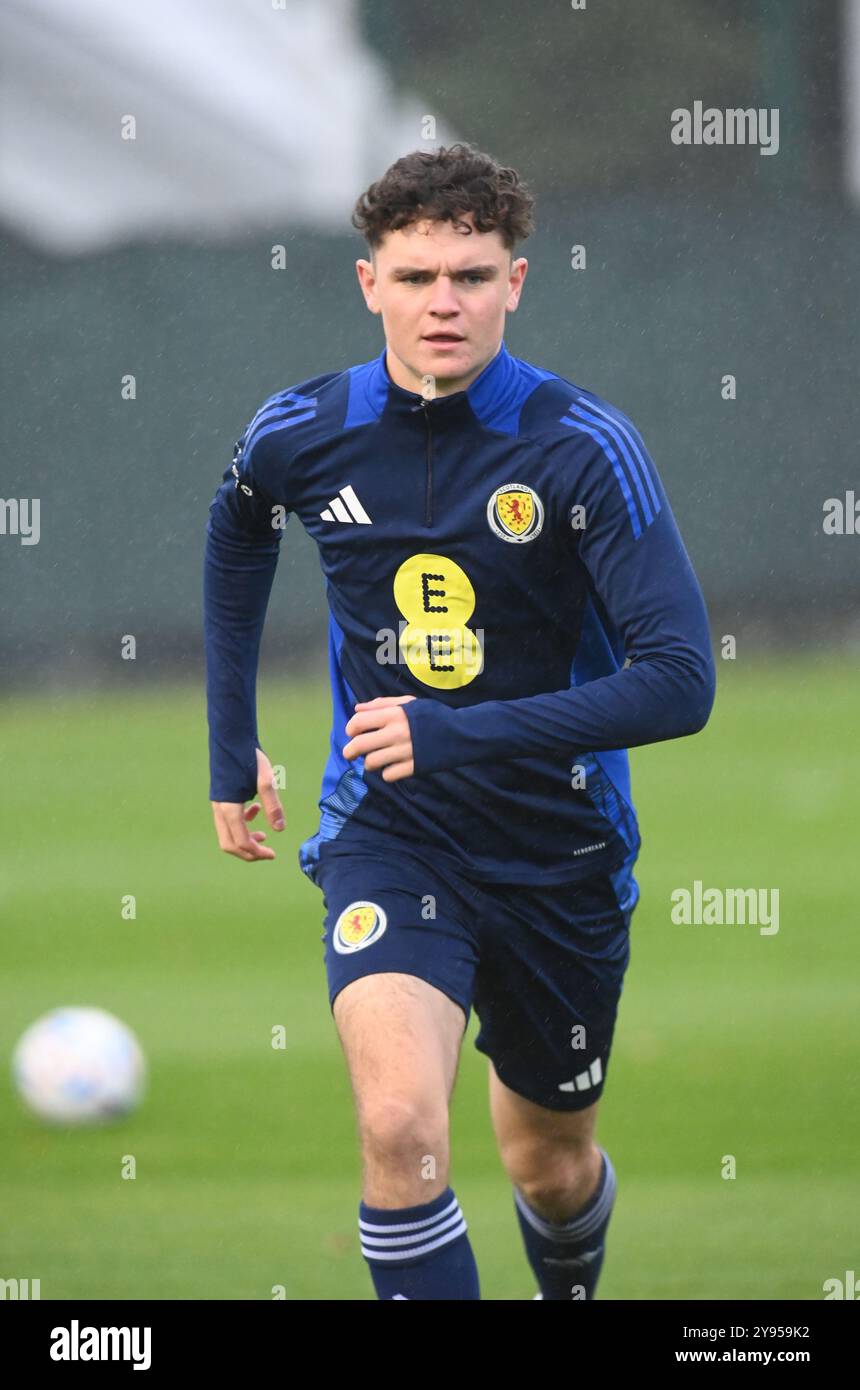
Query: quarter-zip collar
[(481, 397), (495, 397), (439, 412)]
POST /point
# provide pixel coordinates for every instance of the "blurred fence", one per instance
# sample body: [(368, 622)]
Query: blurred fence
[(674, 298)]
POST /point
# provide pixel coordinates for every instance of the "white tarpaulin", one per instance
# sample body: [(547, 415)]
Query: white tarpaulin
[(244, 113)]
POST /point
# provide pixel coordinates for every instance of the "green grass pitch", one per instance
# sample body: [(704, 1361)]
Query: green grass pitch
[(728, 1042)]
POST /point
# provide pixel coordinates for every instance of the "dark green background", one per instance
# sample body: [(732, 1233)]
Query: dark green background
[(700, 262)]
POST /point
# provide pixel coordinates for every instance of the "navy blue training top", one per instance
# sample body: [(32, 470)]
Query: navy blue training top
[(507, 554)]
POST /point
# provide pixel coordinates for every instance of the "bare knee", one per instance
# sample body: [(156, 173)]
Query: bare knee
[(405, 1150), (400, 1128), (556, 1177)]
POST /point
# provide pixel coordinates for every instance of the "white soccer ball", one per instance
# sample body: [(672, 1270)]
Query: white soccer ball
[(79, 1066)]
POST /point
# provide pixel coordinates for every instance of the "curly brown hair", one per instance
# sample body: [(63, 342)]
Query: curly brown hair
[(443, 184)]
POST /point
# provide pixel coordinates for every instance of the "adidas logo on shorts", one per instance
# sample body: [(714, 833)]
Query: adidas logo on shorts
[(585, 1079)]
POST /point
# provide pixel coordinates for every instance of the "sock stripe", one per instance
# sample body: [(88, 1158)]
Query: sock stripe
[(582, 1225), (420, 1251), (413, 1253), (390, 1228), (401, 1242), (575, 1231)]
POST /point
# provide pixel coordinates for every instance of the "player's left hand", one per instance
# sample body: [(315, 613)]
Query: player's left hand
[(380, 734)]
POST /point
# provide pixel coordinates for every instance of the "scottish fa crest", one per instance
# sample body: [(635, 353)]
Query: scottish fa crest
[(359, 925), (515, 512)]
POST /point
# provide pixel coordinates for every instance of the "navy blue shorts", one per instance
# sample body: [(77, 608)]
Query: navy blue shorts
[(544, 967)]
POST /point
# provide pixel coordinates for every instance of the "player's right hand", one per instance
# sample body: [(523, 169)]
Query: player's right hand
[(232, 817)]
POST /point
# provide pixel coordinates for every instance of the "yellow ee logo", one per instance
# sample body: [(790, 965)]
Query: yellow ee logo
[(436, 598)]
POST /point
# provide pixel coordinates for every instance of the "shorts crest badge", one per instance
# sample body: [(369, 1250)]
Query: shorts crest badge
[(359, 925)]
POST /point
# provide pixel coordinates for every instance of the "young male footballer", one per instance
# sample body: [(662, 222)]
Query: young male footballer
[(512, 608)]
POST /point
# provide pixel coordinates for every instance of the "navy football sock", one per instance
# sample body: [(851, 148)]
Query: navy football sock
[(419, 1252), (567, 1258)]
